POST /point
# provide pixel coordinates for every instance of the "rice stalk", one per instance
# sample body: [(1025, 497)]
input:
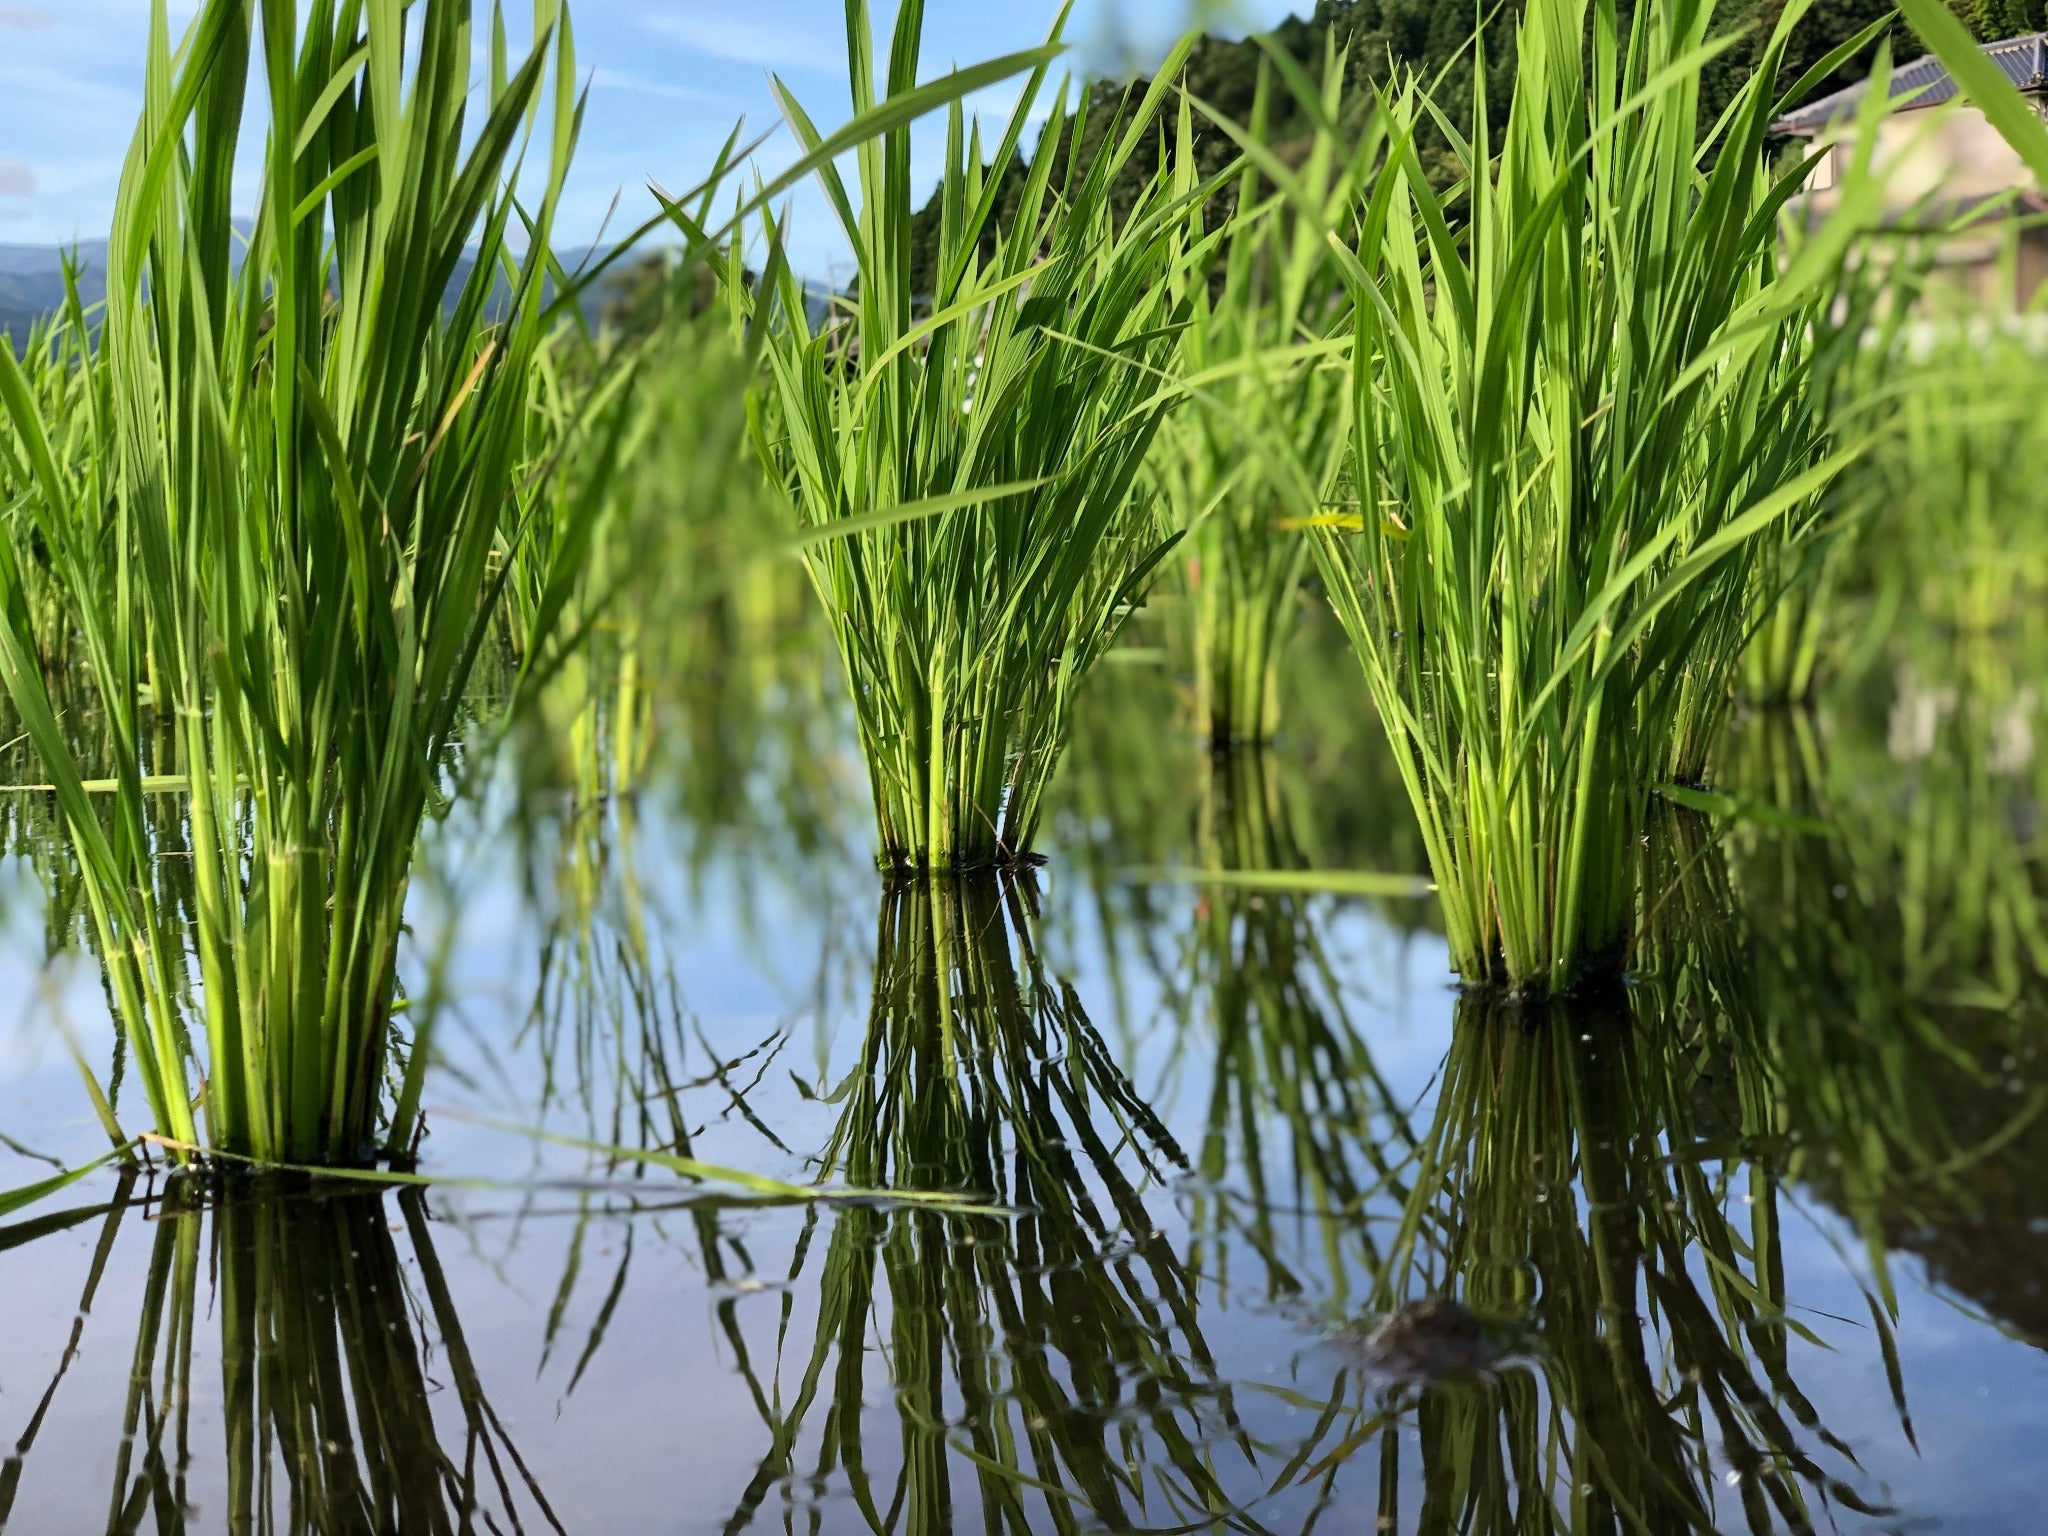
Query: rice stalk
[(310, 444), (1013, 409), (1586, 391)]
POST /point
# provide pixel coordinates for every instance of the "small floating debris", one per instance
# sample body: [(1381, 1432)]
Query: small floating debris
[(1436, 1336)]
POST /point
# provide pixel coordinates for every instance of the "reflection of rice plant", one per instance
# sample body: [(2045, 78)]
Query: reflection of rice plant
[(1894, 967), (326, 1334), (1566, 1182), (607, 1024), (1053, 1358), (1135, 801), (1298, 1111), (1935, 877)]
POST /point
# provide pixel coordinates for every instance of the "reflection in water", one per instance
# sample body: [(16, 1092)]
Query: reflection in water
[(1301, 1121), (1682, 1225), (1899, 969), (1569, 1184), (1048, 1366), (348, 1395)]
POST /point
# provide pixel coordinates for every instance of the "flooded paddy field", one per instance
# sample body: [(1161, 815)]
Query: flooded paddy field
[(1754, 1243)]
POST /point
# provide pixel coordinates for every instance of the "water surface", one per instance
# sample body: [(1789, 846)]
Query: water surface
[(1763, 1234)]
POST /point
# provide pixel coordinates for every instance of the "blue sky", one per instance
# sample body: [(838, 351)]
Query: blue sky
[(668, 78)]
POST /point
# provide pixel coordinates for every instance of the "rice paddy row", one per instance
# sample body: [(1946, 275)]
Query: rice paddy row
[(1576, 448)]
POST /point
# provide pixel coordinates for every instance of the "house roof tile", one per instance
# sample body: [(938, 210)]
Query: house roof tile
[(2022, 60)]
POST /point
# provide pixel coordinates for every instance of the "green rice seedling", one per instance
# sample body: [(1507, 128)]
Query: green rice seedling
[(652, 423), (1577, 415), (978, 449), (67, 385), (590, 728), (1956, 541), (702, 680), (305, 463), (1258, 317)]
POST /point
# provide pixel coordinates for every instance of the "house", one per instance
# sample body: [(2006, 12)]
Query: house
[(1942, 170)]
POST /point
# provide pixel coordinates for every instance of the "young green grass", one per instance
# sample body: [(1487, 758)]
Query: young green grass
[(290, 504), (1586, 389), (1259, 317), (1014, 407), (309, 448)]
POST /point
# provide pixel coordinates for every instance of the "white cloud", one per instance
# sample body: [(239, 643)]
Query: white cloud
[(605, 79), (23, 18), (16, 179), (767, 36)]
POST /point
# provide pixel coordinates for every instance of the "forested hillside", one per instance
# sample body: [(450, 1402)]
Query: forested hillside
[(1383, 40)]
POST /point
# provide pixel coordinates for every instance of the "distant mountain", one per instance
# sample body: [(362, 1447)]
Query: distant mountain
[(32, 281)]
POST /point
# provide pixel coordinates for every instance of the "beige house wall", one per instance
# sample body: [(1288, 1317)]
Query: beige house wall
[(1952, 156)]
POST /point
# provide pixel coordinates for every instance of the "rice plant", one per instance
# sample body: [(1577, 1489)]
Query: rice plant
[(1956, 542), (1264, 383), (309, 446), (1585, 392), (62, 378), (1012, 408)]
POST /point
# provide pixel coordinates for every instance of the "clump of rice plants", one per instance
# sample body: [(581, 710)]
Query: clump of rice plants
[(1957, 541), (977, 448), (311, 439), (1586, 388), (1266, 430)]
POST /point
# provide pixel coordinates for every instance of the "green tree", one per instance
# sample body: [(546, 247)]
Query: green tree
[(1382, 41), (1992, 20)]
